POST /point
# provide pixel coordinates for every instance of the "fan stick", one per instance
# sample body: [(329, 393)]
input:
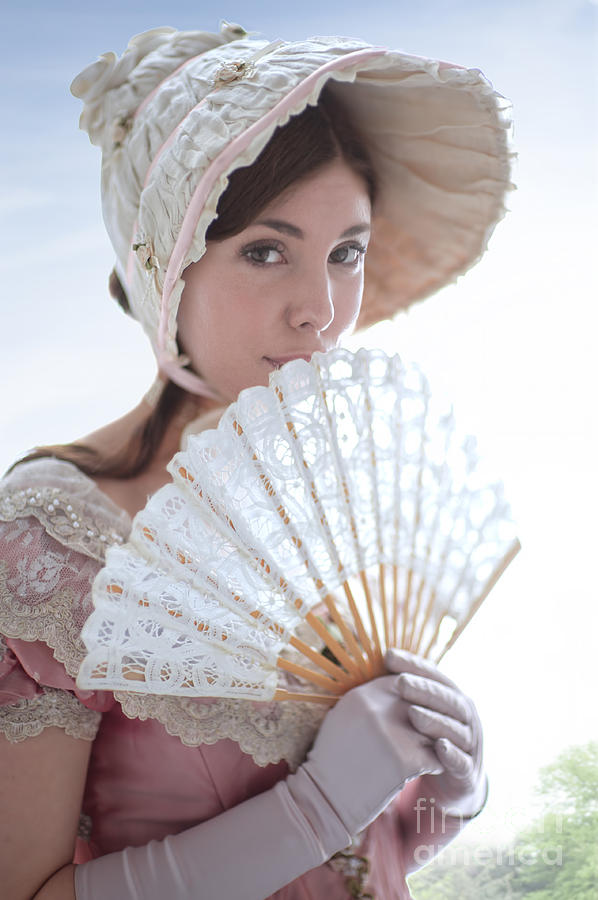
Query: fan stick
[(350, 663), (361, 632), (395, 605), (433, 592), (281, 694), (368, 599), (496, 573), (406, 609), (427, 616), (382, 580), (310, 675), (323, 662), (411, 641)]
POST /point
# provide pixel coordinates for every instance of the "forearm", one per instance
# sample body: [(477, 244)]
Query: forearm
[(60, 886), (251, 850)]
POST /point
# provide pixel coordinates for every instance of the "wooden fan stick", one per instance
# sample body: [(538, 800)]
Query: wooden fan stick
[(395, 604), (410, 644), (463, 496), (386, 622), (507, 559), (433, 594), (370, 661), (427, 616), (327, 699), (361, 631), (351, 663), (396, 524), (309, 675), (334, 670), (407, 616), (368, 599), (406, 609), (432, 599), (414, 642)]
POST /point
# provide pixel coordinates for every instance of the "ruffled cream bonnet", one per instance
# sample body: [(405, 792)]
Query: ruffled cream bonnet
[(180, 110)]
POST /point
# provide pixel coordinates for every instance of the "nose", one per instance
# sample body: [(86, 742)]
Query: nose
[(312, 303)]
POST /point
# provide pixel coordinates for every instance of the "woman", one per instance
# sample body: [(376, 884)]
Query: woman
[(306, 152)]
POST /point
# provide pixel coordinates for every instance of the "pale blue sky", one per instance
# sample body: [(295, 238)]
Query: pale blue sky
[(513, 343)]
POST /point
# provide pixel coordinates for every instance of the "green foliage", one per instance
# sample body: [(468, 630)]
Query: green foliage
[(466, 872), (570, 784), (554, 858)]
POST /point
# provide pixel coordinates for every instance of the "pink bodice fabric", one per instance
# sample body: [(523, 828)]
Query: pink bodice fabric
[(143, 783)]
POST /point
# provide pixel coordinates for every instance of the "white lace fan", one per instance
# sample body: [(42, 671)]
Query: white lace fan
[(328, 517)]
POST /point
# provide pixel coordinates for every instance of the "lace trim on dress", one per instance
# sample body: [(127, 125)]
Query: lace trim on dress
[(3, 649), (28, 718), (56, 618), (66, 503), (268, 732), (85, 827)]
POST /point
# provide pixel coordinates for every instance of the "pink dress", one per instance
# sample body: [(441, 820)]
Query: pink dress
[(158, 765)]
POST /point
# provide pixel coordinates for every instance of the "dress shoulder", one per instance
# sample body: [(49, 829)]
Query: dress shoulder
[(54, 524), (67, 503), (54, 527)]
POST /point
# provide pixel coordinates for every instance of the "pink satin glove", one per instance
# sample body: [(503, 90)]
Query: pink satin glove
[(448, 719), (366, 750)]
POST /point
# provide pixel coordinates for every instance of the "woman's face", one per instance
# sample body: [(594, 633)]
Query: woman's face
[(287, 285)]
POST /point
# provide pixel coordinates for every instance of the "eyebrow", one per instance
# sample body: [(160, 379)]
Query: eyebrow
[(294, 231)]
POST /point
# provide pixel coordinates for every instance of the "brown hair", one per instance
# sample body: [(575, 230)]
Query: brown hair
[(307, 142)]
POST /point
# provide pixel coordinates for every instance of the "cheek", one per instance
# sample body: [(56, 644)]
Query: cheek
[(349, 305)]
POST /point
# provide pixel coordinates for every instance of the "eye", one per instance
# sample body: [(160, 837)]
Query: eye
[(263, 254), (349, 254)]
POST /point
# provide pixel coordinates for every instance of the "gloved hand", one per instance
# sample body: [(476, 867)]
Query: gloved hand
[(364, 753), (440, 712)]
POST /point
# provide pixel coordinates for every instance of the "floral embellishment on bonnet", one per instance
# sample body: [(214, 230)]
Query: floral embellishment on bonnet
[(120, 128), (98, 86), (145, 254)]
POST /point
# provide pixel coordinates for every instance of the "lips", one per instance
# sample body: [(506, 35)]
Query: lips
[(281, 360)]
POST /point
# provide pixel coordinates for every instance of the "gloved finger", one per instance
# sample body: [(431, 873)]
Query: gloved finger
[(435, 696), (455, 762), (429, 762), (435, 725), (400, 661)]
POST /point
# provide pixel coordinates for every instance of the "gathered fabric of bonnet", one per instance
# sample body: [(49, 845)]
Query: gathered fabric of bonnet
[(175, 116)]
